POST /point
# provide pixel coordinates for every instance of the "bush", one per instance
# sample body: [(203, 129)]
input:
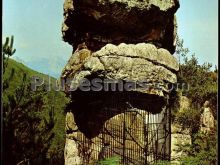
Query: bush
[(203, 151)]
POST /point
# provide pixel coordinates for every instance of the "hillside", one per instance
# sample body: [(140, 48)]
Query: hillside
[(19, 70), (55, 99)]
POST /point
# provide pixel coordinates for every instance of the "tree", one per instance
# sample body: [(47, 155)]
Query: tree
[(202, 87), (201, 80), (7, 51), (181, 51), (27, 134)]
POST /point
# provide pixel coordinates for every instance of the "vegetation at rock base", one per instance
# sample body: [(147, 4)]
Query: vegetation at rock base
[(202, 87), (110, 161), (33, 121), (202, 151)]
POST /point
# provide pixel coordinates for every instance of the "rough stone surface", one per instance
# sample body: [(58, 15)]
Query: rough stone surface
[(207, 119), (163, 5), (70, 123), (178, 135), (99, 22), (127, 62), (71, 153), (121, 41), (184, 103)]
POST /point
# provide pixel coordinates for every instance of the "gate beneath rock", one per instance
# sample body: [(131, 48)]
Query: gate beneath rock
[(136, 137)]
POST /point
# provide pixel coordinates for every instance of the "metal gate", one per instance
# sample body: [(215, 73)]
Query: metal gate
[(135, 136)]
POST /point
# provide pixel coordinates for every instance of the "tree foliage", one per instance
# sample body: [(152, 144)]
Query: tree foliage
[(7, 51), (203, 151), (189, 119), (202, 83), (31, 134), (27, 135)]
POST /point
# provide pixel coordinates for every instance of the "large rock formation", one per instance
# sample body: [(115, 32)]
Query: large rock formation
[(98, 22), (119, 79)]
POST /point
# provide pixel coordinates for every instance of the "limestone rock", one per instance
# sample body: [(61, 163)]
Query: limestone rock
[(99, 22), (179, 135), (175, 140), (68, 6), (141, 50), (71, 153), (207, 119), (163, 5), (70, 122), (127, 62), (119, 42), (184, 103), (76, 62)]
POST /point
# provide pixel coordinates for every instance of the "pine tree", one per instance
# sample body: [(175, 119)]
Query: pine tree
[(27, 134), (7, 51)]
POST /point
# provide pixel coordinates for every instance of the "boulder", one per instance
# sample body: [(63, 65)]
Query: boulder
[(98, 22), (119, 78), (140, 63), (207, 120)]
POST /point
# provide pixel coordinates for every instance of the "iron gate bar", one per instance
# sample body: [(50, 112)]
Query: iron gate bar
[(137, 140)]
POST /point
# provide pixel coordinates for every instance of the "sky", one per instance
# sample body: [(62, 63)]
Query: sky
[(198, 27), (36, 26)]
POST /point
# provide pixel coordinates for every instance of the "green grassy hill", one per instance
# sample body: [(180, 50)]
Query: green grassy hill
[(19, 70), (55, 99)]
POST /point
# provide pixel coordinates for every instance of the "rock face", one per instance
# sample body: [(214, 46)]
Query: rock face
[(126, 62), (71, 154), (207, 119), (178, 135), (119, 79), (98, 22)]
